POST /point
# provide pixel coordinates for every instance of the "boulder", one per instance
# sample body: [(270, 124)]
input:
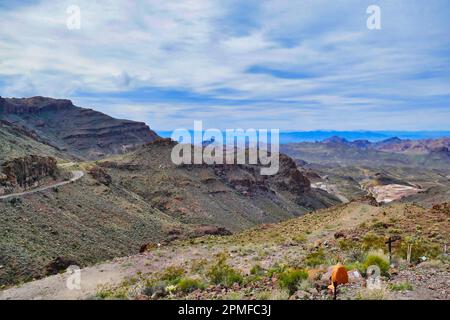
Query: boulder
[(58, 265), (354, 276), (100, 175)]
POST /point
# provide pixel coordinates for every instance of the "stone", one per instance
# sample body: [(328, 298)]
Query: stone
[(100, 175), (59, 264), (354, 276)]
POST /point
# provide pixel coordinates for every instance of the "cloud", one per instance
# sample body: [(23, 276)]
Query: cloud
[(292, 64)]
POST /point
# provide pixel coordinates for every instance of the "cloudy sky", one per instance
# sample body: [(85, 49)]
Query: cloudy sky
[(288, 64)]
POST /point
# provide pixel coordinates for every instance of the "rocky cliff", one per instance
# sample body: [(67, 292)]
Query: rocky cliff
[(82, 132), (26, 172)]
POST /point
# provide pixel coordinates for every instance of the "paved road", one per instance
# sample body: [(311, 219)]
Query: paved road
[(76, 175)]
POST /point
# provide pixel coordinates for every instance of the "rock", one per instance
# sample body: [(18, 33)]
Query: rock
[(339, 234), (354, 276), (100, 175), (203, 230), (27, 171), (326, 277), (300, 295), (149, 247), (58, 265)]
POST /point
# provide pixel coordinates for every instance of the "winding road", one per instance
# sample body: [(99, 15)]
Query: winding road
[(76, 175)]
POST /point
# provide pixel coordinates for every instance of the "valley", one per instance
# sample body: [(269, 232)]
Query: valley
[(103, 194)]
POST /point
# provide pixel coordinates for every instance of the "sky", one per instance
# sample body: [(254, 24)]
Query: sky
[(291, 65)]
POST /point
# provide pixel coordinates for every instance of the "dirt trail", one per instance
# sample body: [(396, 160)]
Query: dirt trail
[(76, 175), (114, 272)]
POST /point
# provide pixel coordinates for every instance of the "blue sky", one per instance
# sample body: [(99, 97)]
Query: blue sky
[(292, 65)]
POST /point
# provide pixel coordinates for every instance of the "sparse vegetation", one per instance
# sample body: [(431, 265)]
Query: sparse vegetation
[(291, 278), (404, 286), (222, 273), (316, 258), (190, 284), (378, 259)]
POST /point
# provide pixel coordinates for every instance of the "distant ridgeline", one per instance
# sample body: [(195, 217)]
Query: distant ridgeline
[(372, 136)]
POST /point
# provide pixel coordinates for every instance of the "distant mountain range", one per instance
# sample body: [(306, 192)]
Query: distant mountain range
[(396, 145), (372, 136)]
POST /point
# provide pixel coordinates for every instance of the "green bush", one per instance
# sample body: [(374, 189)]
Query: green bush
[(190, 284), (275, 270), (372, 241), (172, 275), (257, 270), (404, 286), (316, 258), (291, 278), (378, 260), (222, 273)]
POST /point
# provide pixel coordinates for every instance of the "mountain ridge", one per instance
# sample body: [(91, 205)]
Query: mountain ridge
[(82, 132)]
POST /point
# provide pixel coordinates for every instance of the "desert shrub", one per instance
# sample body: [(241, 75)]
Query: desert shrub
[(372, 241), (377, 259), (15, 201), (403, 286), (290, 279), (356, 266), (263, 295), (316, 258), (222, 273), (299, 239), (276, 269), (257, 270), (172, 275), (112, 293), (371, 294), (198, 265), (278, 294), (348, 244), (155, 288), (234, 295), (190, 284), (420, 248)]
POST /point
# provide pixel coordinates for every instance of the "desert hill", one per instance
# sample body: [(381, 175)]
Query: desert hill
[(287, 260), (81, 132)]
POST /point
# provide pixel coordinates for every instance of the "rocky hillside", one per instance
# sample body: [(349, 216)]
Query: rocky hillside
[(287, 260), (232, 196), (414, 146), (392, 152), (16, 142), (82, 132), (27, 172), (135, 200), (395, 145)]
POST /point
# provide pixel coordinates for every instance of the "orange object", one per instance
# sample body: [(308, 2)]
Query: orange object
[(339, 275)]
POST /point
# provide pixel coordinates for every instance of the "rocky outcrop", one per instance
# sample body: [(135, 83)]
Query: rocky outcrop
[(58, 265), (100, 175), (28, 171), (82, 132), (204, 230)]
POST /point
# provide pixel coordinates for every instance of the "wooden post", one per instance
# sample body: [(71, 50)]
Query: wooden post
[(389, 243), (408, 255), (335, 291)]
